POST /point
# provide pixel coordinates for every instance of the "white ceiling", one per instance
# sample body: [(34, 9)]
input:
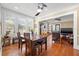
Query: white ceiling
[(31, 8), (66, 18)]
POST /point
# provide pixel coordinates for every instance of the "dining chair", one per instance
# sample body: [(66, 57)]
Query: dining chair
[(18, 36), (31, 46), (21, 40), (27, 43), (6, 39), (43, 41)]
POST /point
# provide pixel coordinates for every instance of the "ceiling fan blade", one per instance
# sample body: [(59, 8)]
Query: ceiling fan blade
[(37, 14), (44, 5)]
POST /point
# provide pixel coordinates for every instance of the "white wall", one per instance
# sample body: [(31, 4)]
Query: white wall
[(0, 32), (66, 24), (78, 27)]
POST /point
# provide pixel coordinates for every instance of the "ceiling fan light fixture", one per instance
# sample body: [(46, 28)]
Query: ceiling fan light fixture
[(40, 7), (16, 7), (39, 10)]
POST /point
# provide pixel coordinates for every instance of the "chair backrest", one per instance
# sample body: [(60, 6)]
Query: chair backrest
[(27, 38), (27, 35), (27, 41), (18, 34)]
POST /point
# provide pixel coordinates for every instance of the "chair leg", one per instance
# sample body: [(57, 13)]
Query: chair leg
[(39, 50), (21, 47), (45, 46), (19, 44), (34, 52), (41, 47), (26, 52)]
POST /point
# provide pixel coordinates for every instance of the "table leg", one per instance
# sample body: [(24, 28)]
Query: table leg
[(19, 44), (26, 49), (41, 47), (46, 44)]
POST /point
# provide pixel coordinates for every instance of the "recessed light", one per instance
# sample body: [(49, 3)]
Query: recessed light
[(15, 7)]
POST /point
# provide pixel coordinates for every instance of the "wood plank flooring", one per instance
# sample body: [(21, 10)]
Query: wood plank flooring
[(57, 49)]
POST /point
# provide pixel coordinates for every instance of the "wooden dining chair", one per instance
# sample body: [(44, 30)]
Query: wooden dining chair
[(6, 39), (42, 41), (27, 43), (36, 49), (21, 40), (31, 46)]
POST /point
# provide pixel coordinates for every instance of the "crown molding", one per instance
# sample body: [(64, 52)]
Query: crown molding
[(17, 12)]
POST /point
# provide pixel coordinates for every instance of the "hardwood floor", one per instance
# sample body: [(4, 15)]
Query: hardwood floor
[(57, 49)]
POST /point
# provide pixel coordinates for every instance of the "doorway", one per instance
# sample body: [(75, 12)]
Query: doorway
[(68, 30)]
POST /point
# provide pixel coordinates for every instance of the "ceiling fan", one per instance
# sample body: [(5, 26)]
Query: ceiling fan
[(40, 7)]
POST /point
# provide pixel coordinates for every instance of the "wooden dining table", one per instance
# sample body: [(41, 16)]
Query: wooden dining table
[(34, 40)]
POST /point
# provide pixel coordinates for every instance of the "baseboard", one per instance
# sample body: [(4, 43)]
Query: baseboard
[(76, 47)]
